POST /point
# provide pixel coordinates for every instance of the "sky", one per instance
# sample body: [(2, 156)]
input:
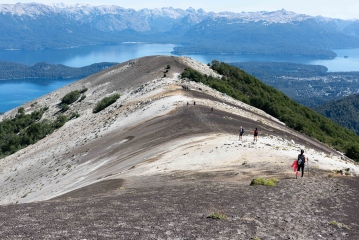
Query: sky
[(343, 9)]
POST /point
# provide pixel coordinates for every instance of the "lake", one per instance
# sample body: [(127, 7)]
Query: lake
[(13, 93)]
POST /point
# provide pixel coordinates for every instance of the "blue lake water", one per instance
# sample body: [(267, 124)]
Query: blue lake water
[(13, 93)]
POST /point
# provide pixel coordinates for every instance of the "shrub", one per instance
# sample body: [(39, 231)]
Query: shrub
[(64, 107), (264, 182), (168, 67), (74, 115), (71, 97), (105, 102), (83, 90), (217, 215), (339, 225), (60, 121), (82, 97)]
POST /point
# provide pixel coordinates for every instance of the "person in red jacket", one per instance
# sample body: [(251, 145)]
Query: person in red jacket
[(255, 135)]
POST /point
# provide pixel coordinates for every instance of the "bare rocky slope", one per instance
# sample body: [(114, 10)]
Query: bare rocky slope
[(158, 162)]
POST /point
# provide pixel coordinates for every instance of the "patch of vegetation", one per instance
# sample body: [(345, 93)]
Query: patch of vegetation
[(71, 97), (264, 182), (105, 102), (9, 70), (246, 88), (64, 107), (217, 215), (74, 115), (26, 129), (330, 175), (83, 90), (82, 97), (339, 225), (25, 195)]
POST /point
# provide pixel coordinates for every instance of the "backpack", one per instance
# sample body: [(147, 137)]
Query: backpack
[(301, 159), (242, 129)]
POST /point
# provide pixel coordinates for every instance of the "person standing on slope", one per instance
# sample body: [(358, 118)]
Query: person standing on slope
[(301, 161), (241, 132), (255, 139)]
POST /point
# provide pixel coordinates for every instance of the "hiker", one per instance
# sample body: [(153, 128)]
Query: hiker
[(255, 139), (187, 103), (301, 161), (241, 132), (194, 102), (295, 166), (211, 109)]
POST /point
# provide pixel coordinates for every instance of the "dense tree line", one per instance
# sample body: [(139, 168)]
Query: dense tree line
[(9, 70), (316, 84), (344, 111), (244, 87), (266, 70), (25, 129)]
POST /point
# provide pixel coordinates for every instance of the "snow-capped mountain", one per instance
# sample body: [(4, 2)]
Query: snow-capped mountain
[(82, 10), (33, 25)]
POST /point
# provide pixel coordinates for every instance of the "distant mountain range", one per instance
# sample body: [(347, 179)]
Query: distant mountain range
[(38, 26)]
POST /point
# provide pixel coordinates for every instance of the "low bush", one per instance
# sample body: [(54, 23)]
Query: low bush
[(339, 225), (74, 115), (64, 107), (264, 182), (71, 97), (217, 215), (82, 97), (83, 90), (105, 102)]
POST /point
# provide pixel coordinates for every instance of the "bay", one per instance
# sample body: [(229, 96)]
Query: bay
[(14, 93)]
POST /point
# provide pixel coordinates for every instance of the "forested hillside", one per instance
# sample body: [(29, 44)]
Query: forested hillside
[(244, 87), (344, 111), (310, 85), (9, 70)]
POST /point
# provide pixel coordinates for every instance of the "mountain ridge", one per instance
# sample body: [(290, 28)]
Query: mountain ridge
[(81, 25), (161, 154), (151, 107)]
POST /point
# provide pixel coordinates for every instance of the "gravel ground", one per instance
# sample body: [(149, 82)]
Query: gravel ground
[(179, 209)]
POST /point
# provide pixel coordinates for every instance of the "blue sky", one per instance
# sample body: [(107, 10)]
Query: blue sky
[(344, 9)]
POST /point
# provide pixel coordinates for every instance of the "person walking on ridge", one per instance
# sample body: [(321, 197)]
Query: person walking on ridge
[(255, 139), (241, 132), (301, 161)]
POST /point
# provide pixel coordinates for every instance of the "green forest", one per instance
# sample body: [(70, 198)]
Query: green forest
[(10, 70), (244, 87), (344, 111), (25, 129)]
